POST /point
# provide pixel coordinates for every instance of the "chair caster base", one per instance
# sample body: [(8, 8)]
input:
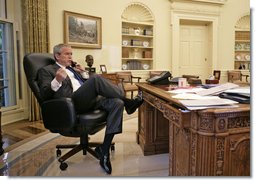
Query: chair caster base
[(58, 153), (63, 166)]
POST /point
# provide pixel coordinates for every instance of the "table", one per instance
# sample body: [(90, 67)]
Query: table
[(211, 142)]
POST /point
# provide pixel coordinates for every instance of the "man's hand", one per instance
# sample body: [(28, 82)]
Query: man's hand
[(79, 68), (61, 75)]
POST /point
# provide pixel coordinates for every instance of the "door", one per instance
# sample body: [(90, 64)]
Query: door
[(194, 50)]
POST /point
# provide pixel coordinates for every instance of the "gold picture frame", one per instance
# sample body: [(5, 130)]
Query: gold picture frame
[(82, 31)]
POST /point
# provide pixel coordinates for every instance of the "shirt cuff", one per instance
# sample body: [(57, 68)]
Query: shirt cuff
[(55, 85), (85, 75)]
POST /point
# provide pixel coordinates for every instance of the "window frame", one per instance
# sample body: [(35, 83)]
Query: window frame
[(17, 105)]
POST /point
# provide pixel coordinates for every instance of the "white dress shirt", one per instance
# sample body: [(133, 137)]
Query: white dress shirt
[(55, 85)]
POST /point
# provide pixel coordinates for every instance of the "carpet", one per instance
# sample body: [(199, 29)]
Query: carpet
[(38, 157)]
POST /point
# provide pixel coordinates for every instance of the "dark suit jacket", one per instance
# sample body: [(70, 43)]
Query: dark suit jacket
[(45, 76)]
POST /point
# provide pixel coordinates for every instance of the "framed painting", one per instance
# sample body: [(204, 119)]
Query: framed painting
[(82, 31)]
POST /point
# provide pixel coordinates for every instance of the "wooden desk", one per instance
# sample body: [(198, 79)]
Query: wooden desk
[(212, 142)]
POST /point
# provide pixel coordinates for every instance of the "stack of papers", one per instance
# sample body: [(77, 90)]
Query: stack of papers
[(217, 90), (196, 104), (245, 91), (200, 98)]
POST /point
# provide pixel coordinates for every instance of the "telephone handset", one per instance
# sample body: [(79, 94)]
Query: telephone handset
[(160, 79), (73, 64)]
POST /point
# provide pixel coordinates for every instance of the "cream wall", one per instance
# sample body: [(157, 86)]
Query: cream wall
[(110, 11), (230, 14)]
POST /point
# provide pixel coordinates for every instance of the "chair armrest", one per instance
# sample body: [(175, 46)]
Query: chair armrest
[(135, 77), (58, 114)]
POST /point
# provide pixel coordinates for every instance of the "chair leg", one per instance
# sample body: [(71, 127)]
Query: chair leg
[(84, 145), (70, 153)]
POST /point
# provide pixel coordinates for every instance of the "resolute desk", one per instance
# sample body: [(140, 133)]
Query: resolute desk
[(211, 142)]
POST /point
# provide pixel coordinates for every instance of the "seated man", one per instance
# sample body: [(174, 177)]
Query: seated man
[(61, 80)]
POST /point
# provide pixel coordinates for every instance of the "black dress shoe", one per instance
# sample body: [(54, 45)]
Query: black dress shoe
[(132, 104), (99, 152), (106, 164), (104, 160)]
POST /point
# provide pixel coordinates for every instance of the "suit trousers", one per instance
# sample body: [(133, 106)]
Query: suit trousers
[(98, 92)]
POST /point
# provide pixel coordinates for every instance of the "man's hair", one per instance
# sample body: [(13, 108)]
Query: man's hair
[(57, 48)]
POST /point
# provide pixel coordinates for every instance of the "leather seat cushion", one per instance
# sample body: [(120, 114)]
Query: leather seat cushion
[(95, 119)]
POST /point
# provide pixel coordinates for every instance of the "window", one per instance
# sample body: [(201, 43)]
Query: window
[(7, 65), (8, 95)]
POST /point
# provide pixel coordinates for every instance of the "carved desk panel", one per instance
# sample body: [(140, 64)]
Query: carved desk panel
[(211, 142)]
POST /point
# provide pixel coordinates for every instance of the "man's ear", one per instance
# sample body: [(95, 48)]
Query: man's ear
[(56, 56)]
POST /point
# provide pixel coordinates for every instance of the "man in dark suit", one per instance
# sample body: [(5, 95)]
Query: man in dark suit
[(62, 80)]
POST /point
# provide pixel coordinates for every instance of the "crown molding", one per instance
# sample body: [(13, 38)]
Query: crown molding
[(219, 2)]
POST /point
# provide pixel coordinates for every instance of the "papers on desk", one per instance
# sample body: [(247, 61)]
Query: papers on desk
[(205, 92), (241, 95), (187, 90), (208, 103), (217, 90), (200, 98), (240, 90)]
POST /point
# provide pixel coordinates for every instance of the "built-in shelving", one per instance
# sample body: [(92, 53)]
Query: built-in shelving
[(137, 46), (242, 50)]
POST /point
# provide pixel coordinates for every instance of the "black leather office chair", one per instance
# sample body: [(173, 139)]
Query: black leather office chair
[(59, 115)]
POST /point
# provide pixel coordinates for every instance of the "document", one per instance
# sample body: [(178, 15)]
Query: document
[(216, 107), (200, 98), (217, 90), (240, 90), (189, 96), (208, 102), (187, 90)]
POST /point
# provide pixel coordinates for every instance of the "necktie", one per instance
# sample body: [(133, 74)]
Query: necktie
[(76, 75)]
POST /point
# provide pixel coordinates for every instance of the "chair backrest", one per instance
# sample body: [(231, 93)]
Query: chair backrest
[(125, 76), (234, 75), (32, 63), (190, 76), (216, 74), (193, 79), (112, 77)]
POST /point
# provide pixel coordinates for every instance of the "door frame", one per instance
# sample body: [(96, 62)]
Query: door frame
[(176, 18)]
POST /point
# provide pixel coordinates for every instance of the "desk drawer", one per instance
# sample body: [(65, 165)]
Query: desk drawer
[(154, 101), (179, 117), (172, 112)]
